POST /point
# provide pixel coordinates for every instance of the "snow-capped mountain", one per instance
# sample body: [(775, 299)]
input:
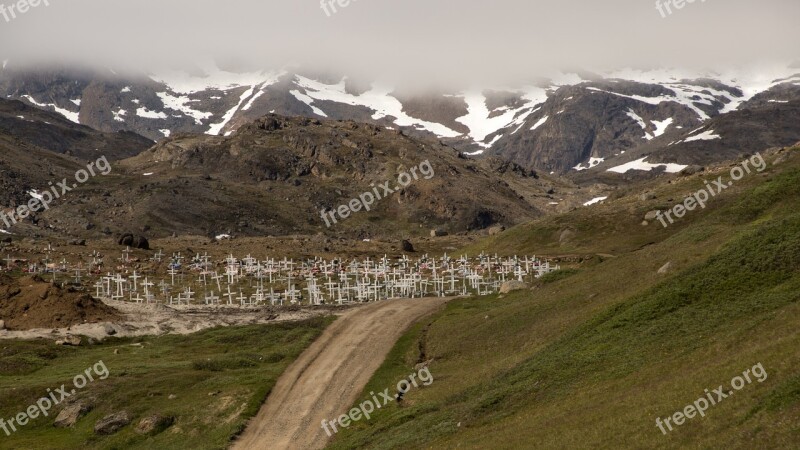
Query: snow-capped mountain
[(564, 123)]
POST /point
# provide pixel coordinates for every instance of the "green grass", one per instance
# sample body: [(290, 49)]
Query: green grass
[(593, 355), (219, 377)]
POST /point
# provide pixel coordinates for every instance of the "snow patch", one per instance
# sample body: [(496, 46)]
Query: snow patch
[(180, 104), (540, 122), (72, 116), (704, 136), (595, 201), (592, 163), (378, 99), (147, 114), (118, 116), (641, 164)]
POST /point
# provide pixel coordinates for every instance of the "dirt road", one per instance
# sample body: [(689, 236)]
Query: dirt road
[(329, 376)]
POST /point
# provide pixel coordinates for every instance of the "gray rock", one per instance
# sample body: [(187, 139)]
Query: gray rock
[(495, 230), (154, 424), (693, 169), (438, 233), (70, 414), (109, 329), (665, 268), (112, 423), (70, 340), (513, 285)]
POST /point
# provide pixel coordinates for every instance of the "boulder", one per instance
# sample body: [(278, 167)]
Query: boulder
[(109, 329), (495, 230), (665, 268), (407, 246), (133, 241), (513, 285), (112, 423), (692, 169), (438, 232), (154, 424), (70, 340), (70, 414)]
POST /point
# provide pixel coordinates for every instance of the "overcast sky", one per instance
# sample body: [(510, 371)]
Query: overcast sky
[(419, 39)]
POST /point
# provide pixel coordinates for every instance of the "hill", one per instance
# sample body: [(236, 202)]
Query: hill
[(590, 357)]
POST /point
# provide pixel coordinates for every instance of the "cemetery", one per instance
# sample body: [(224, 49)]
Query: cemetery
[(183, 281)]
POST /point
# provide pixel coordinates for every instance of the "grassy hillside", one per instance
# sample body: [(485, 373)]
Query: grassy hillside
[(590, 358), (210, 382)]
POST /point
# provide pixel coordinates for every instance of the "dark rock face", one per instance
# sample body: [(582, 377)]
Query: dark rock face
[(587, 121), (133, 241)]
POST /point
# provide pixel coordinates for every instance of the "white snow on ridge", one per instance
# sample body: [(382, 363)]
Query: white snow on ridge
[(680, 97), (260, 92), (217, 127), (125, 89), (165, 132), (308, 101), (184, 83), (641, 164), (638, 119), (378, 99), (661, 126), (147, 114), (72, 116), (180, 104), (707, 135), (77, 102), (479, 119), (540, 122)]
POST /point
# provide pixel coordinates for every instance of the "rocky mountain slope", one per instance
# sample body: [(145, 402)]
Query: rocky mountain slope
[(51, 131), (558, 124), (276, 175)]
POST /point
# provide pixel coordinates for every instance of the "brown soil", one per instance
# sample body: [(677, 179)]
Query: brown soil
[(30, 302)]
